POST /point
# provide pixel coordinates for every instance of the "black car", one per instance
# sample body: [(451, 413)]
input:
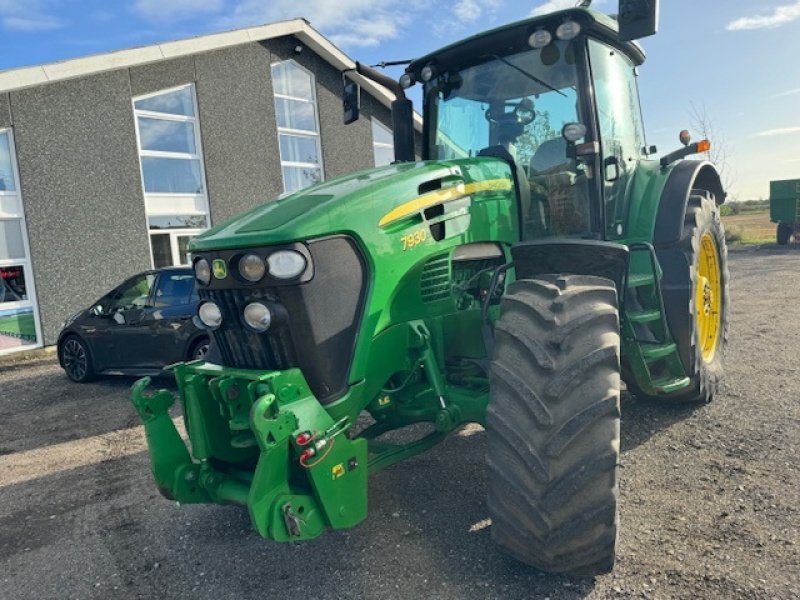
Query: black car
[(139, 327)]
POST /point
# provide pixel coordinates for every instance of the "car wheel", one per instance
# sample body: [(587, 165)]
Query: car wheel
[(200, 349), (76, 361)]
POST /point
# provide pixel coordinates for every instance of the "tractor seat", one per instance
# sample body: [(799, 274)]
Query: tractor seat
[(552, 178)]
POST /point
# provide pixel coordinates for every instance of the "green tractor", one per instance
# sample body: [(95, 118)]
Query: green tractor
[(534, 259)]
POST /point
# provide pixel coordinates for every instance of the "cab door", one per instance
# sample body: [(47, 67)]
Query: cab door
[(622, 140)]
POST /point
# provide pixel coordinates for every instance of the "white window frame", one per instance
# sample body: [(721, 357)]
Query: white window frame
[(376, 144), (174, 234), (316, 135), (168, 204), (25, 262)]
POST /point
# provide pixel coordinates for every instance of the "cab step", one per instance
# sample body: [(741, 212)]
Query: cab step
[(668, 385), (644, 316), (651, 353), (635, 281)]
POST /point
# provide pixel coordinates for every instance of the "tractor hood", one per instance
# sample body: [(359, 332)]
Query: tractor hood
[(353, 204)]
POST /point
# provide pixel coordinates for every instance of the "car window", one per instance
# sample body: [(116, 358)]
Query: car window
[(133, 294), (174, 289)]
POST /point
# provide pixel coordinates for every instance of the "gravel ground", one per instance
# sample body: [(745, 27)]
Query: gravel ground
[(709, 496)]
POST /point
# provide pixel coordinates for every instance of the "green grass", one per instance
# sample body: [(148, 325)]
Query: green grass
[(750, 227), (19, 325)]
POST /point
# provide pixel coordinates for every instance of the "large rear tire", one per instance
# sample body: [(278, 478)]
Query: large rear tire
[(553, 424), (695, 287)]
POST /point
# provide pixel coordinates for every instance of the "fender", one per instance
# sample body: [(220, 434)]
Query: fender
[(578, 257), (685, 176)]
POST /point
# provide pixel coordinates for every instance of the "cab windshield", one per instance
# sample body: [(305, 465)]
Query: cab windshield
[(514, 108)]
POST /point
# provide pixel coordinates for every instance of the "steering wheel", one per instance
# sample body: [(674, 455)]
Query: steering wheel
[(523, 113)]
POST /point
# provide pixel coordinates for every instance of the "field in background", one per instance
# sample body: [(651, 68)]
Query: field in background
[(749, 227)]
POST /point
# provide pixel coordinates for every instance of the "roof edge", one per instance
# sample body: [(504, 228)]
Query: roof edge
[(27, 77)]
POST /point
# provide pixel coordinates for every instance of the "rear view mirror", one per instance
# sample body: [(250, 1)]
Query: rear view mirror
[(637, 19), (350, 102)]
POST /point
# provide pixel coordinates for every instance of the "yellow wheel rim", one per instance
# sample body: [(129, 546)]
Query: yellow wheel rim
[(708, 297)]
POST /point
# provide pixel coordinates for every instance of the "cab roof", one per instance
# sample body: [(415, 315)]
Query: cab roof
[(513, 38)]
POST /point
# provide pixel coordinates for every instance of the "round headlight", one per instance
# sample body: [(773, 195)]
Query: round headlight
[(539, 39), (568, 30), (209, 314), (406, 80), (257, 316), (286, 264), (202, 271), (252, 267), (427, 72)]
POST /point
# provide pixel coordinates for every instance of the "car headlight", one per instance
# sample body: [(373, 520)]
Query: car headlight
[(286, 264), (257, 316), (202, 271), (209, 314), (252, 267)]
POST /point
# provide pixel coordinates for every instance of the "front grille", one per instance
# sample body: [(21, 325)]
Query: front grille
[(241, 347), (319, 315)]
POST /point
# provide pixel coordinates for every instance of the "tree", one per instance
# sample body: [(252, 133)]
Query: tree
[(538, 131), (703, 128)]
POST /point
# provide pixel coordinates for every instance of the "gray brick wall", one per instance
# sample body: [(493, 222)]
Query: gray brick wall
[(147, 79), (5, 110), (237, 119)]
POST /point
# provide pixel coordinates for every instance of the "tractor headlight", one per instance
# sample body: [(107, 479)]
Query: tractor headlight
[(252, 267), (540, 38), (209, 314), (427, 73), (257, 316), (286, 264), (202, 271), (568, 30), (406, 80)]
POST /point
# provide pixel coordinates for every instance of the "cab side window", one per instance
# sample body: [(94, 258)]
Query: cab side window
[(621, 128), (133, 294), (174, 289)]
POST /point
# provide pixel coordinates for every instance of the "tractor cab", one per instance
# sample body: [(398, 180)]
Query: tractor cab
[(556, 97)]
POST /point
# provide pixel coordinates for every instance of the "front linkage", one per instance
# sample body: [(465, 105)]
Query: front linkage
[(261, 440)]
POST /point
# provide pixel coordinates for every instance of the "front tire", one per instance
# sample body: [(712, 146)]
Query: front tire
[(553, 424), (75, 359)]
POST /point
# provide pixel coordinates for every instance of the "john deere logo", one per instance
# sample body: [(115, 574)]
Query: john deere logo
[(220, 270)]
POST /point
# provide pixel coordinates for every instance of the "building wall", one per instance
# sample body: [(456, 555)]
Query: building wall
[(84, 212), (79, 164), (5, 110), (240, 138)]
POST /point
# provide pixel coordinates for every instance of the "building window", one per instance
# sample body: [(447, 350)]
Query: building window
[(298, 125), (382, 143), (19, 320), (173, 176)]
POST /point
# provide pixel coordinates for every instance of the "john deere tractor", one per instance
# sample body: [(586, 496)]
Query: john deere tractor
[(536, 257)]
